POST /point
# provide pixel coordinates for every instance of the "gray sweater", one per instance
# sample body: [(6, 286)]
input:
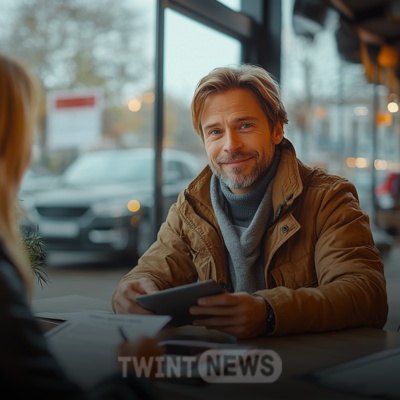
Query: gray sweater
[(243, 219)]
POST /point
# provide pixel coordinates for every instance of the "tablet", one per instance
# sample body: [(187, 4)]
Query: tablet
[(177, 301)]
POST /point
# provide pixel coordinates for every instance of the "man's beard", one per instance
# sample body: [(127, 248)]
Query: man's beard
[(234, 180)]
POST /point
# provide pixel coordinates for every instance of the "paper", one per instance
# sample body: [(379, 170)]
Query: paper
[(375, 375), (86, 345)]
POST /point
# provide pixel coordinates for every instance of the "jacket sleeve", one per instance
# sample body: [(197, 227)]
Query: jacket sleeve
[(350, 287), (168, 262)]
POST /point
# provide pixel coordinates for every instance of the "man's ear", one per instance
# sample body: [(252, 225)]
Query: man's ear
[(277, 133)]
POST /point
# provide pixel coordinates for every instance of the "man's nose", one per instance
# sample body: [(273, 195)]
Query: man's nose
[(233, 140)]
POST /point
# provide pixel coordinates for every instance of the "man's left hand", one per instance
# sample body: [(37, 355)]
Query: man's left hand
[(239, 314)]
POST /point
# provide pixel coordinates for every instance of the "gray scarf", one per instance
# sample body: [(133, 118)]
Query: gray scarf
[(243, 220)]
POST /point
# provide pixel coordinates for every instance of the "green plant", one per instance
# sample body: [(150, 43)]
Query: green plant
[(37, 254), (33, 243)]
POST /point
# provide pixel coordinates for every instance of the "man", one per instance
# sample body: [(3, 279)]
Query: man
[(288, 242)]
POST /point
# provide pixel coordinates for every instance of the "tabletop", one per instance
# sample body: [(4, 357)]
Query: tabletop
[(300, 356)]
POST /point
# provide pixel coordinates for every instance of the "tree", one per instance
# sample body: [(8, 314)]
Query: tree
[(77, 44), (74, 43)]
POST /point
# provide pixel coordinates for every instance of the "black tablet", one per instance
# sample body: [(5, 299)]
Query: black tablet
[(177, 301)]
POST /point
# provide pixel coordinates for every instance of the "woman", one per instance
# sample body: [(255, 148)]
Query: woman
[(27, 366)]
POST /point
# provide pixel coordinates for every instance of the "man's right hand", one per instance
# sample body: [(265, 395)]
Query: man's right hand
[(124, 299)]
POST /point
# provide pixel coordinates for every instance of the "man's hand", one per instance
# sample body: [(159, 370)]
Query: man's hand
[(124, 299), (239, 314)]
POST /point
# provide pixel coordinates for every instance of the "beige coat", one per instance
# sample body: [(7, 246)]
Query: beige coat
[(322, 269)]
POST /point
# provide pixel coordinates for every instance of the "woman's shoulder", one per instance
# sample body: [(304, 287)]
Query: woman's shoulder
[(11, 285)]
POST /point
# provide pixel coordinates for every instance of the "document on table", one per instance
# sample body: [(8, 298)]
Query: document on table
[(375, 375), (86, 345)]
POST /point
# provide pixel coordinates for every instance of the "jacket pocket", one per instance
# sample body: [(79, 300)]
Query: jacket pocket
[(296, 274)]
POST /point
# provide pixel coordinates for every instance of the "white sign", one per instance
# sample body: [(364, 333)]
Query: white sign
[(74, 118)]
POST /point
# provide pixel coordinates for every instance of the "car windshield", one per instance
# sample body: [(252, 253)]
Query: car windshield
[(92, 169)]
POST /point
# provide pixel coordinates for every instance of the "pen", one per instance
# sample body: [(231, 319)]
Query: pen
[(123, 335)]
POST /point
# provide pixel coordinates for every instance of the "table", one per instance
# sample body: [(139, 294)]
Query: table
[(300, 354)]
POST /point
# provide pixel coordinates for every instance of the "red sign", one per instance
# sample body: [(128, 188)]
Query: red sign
[(74, 102), (74, 118)]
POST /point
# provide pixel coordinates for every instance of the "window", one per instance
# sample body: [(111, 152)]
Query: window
[(329, 103), (191, 51), (95, 62)]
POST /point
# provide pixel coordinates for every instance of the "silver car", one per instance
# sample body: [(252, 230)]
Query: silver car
[(104, 199)]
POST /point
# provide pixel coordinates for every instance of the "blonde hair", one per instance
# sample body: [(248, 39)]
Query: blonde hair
[(18, 101), (245, 76)]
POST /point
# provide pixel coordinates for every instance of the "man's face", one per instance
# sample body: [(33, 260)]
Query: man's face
[(237, 137)]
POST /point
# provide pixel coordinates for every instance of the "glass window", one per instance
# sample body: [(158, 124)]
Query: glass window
[(95, 61), (95, 64), (191, 51), (329, 103), (233, 4)]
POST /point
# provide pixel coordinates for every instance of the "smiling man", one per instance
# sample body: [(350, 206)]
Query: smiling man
[(289, 243), (239, 142)]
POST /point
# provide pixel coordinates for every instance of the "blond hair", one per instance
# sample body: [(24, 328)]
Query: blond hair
[(245, 76), (18, 100)]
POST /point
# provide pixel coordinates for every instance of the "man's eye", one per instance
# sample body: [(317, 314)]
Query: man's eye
[(245, 126), (214, 132)]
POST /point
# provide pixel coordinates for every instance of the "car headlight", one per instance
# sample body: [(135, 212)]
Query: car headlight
[(116, 209)]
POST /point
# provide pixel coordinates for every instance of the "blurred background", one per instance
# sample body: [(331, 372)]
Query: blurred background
[(116, 77)]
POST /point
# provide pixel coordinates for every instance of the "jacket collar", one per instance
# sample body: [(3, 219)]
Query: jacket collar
[(288, 184)]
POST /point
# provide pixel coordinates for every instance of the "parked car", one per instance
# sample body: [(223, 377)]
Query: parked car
[(388, 201), (388, 192), (36, 180), (104, 200)]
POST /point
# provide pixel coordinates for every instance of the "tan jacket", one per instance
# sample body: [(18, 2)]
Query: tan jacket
[(322, 269)]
